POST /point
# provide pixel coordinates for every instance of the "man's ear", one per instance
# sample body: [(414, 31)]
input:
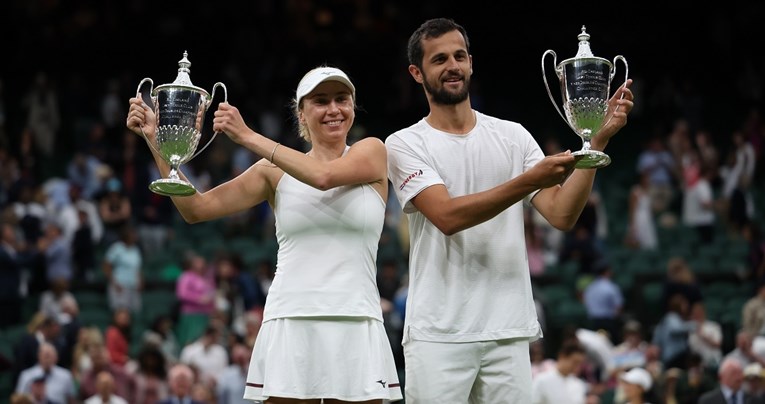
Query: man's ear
[(416, 73)]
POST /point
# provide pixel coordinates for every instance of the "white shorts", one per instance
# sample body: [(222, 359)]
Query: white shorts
[(342, 358), (468, 372)]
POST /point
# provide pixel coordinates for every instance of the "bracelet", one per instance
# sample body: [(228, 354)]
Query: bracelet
[(272, 153)]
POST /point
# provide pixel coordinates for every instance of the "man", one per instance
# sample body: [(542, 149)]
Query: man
[(561, 384), (124, 383), (59, 384), (206, 355), (603, 300), (105, 391), (180, 379), (459, 175), (731, 375), (230, 386)]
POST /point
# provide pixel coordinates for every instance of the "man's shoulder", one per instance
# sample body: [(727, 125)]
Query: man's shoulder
[(404, 132), (710, 396)]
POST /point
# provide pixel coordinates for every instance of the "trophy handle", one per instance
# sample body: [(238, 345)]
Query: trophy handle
[(549, 93), (144, 98), (626, 77), (212, 96)]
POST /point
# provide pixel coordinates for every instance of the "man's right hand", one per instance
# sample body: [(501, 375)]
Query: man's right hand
[(552, 170)]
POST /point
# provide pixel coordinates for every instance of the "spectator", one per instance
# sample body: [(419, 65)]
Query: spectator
[(181, 381), (12, 264), (753, 312), (230, 387), (150, 377), (162, 336), (58, 253), (731, 375), (51, 300), (81, 360), (118, 337), (641, 230), (631, 352), (636, 385), (539, 363), (105, 391), (195, 291), (671, 334), (124, 383), (657, 165), (754, 381), (561, 383), (698, 210), (27, 350), (743, 353), (122, 266), (680, 280), (59, 384), (115, 210), (206, 355), (706, 339), (603, 300)]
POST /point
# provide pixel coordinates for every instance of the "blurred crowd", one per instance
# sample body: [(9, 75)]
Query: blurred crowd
[(80, 230)]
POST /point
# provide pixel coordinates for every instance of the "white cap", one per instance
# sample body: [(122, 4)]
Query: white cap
[(638, 376), (753, 369), (319, 75)]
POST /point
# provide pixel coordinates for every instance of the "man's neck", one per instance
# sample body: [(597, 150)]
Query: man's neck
[(457, 119)]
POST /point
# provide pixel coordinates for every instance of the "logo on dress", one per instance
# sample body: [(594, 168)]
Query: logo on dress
[(382, 382)]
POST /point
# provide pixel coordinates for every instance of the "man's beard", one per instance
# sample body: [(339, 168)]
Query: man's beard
[(444, 97)]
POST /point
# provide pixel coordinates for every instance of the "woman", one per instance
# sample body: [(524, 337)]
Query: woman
[(322, 335)]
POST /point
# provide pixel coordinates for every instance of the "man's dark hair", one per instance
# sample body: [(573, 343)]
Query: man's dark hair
[(571, 347), (432, 28)]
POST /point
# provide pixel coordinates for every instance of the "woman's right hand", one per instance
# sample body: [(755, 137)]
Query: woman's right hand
[(141, 118)]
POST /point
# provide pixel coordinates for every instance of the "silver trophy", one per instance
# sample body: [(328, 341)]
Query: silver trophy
[(180, 109), (585, 82)]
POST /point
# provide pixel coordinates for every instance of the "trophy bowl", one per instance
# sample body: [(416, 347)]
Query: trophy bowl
[(585, 83), (180, 109)]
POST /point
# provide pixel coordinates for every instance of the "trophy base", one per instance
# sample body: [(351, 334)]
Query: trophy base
[(591, 159), (172, 187)]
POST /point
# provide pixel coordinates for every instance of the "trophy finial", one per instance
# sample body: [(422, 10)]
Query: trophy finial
[(183, 71), (584, 45)]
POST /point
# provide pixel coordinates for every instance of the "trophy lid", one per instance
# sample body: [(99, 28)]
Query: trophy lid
[(183, 80), (584, 53), (584, 45)]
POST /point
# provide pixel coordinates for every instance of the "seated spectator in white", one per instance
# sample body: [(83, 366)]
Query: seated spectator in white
[(631, 351), (206, 355), (539, 363), (51, 299), (706, 340), (59, 384), (105, 391), (636, 385), (562, 384), (743, 352)]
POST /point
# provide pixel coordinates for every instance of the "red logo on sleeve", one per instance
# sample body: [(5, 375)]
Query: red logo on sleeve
[(409, 178)]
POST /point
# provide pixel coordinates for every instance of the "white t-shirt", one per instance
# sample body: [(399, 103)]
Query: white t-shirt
[(694, 199), (552, 387), (473, 285)]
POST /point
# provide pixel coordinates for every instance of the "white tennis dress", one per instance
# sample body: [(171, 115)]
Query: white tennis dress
[(322, 333)]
